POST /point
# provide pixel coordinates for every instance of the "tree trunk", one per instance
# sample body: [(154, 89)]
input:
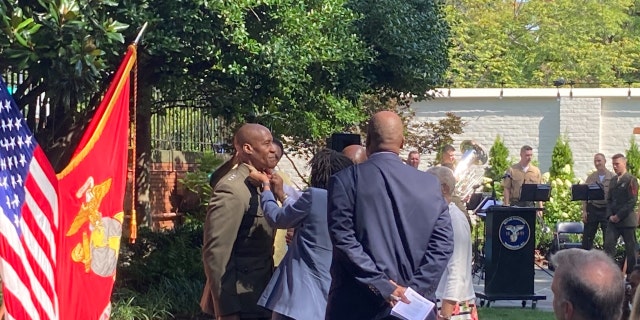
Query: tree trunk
[(143, 154)]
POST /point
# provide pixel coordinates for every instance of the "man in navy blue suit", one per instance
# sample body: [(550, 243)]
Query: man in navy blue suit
[(390, 228)]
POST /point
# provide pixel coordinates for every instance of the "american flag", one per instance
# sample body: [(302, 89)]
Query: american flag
[(28, 219)]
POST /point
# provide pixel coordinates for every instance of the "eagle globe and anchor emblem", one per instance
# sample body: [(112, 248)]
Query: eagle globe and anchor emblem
[(514, 233)]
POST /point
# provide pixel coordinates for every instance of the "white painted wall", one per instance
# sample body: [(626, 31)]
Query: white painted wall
[(594, 120)]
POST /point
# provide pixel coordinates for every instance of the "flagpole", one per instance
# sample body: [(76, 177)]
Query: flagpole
[(139, 36), (133, 223)]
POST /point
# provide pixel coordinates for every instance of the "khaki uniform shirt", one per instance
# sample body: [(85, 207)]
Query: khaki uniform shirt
[(237, 249), (520, 177), (594, 178)]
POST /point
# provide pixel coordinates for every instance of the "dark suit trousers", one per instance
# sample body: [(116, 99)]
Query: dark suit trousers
[(595, 217), (630, 243)]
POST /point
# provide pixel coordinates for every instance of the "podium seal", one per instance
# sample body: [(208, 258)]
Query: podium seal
[(514, 233)]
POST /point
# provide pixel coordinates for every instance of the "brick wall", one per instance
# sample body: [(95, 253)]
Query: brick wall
[(165, 191)]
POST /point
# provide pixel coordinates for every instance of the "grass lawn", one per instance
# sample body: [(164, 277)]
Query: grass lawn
[(514, 314)]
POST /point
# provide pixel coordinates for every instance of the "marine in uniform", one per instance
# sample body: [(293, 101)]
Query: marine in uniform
[(621, 202), (238, 242), (518, 174), (594, 212)]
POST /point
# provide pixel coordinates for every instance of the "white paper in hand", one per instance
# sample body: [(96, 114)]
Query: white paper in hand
[(418, 309)]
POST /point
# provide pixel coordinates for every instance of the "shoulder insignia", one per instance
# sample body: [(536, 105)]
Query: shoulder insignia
[(232, 177)]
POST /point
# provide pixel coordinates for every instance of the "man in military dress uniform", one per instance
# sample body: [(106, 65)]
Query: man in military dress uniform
[(238, 242), (519, 174), (594, 212), (621, 202)]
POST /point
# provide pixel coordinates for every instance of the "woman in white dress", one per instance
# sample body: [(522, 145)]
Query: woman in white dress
[(455, 290)]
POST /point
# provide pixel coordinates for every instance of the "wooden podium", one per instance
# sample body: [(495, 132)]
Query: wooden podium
[(509, 255)]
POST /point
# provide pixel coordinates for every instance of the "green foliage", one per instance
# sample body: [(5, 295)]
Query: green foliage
[(633, 160), (65, 49), (293, 65), (197, 184), (633, 157), (498, 159), (560, 158), (410, 40), (297, 66), (498, 165), (162, 273), (532, 43), (560, 207), (127, 306)]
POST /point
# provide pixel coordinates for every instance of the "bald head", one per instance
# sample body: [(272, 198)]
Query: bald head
[(248, 132), (254, 146), (586, 285), (385, 133), (356, 153)]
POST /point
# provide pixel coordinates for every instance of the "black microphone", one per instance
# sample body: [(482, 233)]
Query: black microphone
[(506, 175)]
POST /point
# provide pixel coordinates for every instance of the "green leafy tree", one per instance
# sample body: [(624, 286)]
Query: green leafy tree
[(532, 43), (299, 67), (633, 157), (64, 49), (410, 40)]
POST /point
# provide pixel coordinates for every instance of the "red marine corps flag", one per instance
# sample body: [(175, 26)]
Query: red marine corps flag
[(91, 196), (60, 235)]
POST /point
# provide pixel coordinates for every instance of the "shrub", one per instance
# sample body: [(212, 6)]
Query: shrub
[(633, 158), (197, 184), (560, 207), (161, 273), (498, 165), (498, 160), (560, 158), (127, 305)]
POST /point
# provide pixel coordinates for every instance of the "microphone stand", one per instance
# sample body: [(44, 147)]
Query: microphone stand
[(493, 192)]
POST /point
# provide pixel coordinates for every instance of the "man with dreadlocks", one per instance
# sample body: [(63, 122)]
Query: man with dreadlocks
[(300, 285)]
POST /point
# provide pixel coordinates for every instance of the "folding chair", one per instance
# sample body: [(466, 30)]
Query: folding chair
[(562, 236), (567, 235)]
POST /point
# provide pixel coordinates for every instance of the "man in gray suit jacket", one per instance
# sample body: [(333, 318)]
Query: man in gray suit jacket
[(390, 228)]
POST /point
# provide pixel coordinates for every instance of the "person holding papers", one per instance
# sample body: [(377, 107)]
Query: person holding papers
[(390, 229), (455, 290)]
